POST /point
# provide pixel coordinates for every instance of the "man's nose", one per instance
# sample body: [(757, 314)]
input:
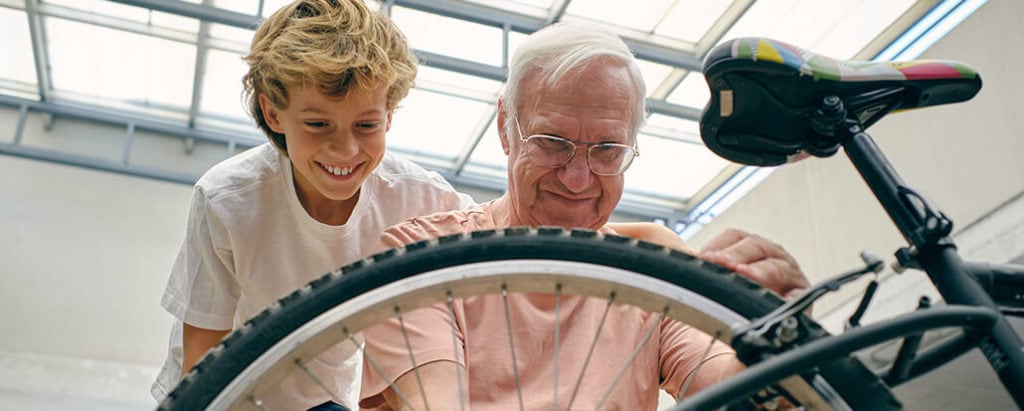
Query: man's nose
[(576, 174)]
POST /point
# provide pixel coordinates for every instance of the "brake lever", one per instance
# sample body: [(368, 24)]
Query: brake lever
[(782, 325)]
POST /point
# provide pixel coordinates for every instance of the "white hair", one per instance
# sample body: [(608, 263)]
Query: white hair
[(553, 51)]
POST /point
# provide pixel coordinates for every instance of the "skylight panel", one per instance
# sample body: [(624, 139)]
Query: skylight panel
[(671, 169), (444, 81), (451, 37), (488, 152), (528, 7), (435, 125), (620, 13), (233, 34), (111, 64), (18, 64), (838, 28), (222, 87), (105, 8), (654, 74), (674, 128), (131, 13), (692, 91), (689, 20)]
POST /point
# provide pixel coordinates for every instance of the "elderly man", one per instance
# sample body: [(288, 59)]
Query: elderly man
[(568, 122)]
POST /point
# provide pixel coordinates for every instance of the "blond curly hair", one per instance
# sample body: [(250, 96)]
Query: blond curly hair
[(333, 45)]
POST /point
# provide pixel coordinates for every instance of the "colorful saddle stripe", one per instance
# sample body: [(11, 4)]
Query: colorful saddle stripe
[(825, 68)]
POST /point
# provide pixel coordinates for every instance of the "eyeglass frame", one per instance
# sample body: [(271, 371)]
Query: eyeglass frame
[(589, 146)]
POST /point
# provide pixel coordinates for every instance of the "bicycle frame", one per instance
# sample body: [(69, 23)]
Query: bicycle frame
[(931, 250), (934, 252)]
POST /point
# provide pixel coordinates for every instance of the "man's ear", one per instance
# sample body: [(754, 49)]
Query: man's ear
[(270, 114), (501, 125)]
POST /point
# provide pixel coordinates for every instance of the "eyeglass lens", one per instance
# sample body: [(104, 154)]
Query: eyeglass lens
[(603, 159)]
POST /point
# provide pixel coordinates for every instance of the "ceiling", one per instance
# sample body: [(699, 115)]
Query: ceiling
[(174, 67)]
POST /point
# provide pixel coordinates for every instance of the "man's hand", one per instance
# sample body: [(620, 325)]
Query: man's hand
[(758, 259)]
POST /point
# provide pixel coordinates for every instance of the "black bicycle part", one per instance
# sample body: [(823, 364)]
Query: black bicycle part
[(850, 379), (828, 348), (927, 231), (761, 107)]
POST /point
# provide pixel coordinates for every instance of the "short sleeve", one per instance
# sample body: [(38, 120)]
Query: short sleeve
[(202, 289), (688, 352)]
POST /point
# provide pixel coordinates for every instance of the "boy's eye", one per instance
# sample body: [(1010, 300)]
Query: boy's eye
[(316, 124), (368, 125)]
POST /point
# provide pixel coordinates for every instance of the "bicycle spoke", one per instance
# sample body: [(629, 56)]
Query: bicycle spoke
[(318, 381), (558, 310), (369, 360), (693, 374), (412, 357), (511, 344), (629, 361), (455, 348), (590, 352)]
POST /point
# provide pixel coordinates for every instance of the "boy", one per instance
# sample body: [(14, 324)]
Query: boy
[(325, 77)]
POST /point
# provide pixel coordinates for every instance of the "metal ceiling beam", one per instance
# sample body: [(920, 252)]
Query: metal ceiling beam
[(107, 115), (42, 60), (199, 71)]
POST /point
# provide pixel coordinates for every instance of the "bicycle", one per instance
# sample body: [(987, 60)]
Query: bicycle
[(771, 103)]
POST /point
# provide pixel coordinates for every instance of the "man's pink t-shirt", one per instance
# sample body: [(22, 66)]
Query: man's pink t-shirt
[(669, 355)]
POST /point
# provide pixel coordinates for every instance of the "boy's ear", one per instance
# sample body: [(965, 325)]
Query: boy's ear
[(387, 126), (270, 114)]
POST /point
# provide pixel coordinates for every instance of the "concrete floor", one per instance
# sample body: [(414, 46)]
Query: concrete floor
[(30, 382)]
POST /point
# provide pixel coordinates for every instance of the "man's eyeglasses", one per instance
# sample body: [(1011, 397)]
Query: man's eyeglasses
[(604, 159)]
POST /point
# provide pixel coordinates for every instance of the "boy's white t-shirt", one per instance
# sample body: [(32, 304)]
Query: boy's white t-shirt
[(250, 242)]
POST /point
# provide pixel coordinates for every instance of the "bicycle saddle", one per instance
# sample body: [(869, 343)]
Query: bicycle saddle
[(764, 93)]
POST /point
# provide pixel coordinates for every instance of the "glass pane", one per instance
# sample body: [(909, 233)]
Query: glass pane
[(689, 20), (82, 57), (105, 8), (674, 128), (488, 152), (636, 17), (241, 6), (270, 6), (671, 168), (235, 34), (429, 78), (447, 36), (654, 74), (18, 64), (435, 125), (532, 7), (839, 28), (222, 86), (515, 39), (692, 91), (176, 22)]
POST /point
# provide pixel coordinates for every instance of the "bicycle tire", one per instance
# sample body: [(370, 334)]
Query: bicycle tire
[(708, 296)]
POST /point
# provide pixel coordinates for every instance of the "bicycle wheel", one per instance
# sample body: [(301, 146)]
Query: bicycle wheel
[(335, 307)]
